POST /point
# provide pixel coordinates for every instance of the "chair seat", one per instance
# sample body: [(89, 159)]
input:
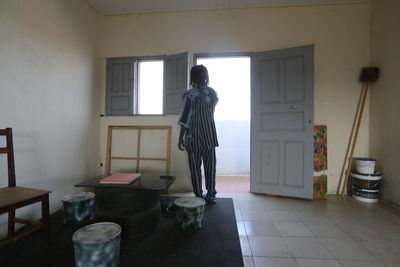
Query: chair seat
[(15, 197)]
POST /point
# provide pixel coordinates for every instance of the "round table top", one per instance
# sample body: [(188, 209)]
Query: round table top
[(190, 202), (97, 233)]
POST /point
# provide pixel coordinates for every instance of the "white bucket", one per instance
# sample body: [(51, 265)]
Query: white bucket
[(365, 165)]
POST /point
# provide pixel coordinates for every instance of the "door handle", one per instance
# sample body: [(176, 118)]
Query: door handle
[(295, 107)]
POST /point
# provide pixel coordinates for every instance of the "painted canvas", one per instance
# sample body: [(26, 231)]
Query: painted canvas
[(320, 160)]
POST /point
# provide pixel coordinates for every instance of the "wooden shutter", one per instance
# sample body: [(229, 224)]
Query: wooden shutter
[(120, 73), (175, 82)]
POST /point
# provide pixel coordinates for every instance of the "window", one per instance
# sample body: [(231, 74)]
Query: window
[(146, 85), (150, 86)]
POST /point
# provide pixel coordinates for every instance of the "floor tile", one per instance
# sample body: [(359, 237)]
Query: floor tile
[(254, 215), (312, 216), (236, 204), (297, 229), (275, 262), (347, 263), (261, 228), (382, 250), (307, 248), (346, 249), (300, 204), (282, 216), (365, 216), (248, 262), (325, 229), (266, 246), (242, 196), (389, 213), (323, 205), (241, 228), (257, 204), (318, 263), (238, 215), (355, 230), (245, 245), (385, 231)]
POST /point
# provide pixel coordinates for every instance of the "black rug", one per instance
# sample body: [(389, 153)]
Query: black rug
[(216, 244)]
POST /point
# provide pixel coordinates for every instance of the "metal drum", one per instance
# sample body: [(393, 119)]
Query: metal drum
[(190, 212), (78, 208), (97, 245), (137, 211)]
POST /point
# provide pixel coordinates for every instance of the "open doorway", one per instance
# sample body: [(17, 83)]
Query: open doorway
[(230, 77)]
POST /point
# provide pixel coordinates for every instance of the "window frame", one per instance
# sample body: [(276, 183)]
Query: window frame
[(136, 82), (123, 101), (220, 55)]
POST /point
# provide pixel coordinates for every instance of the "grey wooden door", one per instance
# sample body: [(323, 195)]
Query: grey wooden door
[(282, 113)]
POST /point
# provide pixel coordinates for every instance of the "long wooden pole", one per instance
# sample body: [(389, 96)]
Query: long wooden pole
[(351, 138), (355, 139)]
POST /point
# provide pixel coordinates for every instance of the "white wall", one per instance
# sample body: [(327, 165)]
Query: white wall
[(48, 95), (233, 153), (341, 34), (385, 96)]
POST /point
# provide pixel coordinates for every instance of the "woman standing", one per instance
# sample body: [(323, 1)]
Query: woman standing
[(198, 134)]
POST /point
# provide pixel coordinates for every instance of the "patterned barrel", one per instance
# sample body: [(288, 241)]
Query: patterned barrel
[(78, 208), (366, 181), (97, 245), (190, 212), (370, 196), (366, 186)]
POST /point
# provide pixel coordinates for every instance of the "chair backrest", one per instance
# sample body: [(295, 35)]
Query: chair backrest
[(9, 150)]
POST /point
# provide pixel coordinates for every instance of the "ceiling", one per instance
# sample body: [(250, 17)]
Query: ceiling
[(113, 7)]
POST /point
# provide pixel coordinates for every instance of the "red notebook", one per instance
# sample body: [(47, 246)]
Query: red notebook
[(120, 178)]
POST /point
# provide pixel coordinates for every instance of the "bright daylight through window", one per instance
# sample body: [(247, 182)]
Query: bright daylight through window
[(150, 86)]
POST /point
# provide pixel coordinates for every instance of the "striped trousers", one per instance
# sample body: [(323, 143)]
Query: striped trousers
[(209, 163)]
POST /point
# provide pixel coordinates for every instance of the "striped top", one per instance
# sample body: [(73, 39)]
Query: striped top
[(197, 116)]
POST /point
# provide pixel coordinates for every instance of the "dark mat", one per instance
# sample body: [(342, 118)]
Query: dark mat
[(216, 244)]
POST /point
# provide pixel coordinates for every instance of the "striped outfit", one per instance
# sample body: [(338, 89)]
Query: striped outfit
[(197, 116)]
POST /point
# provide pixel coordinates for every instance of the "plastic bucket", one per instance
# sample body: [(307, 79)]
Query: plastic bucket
[(97, 245), (78, 208), (366, 181), (365, 165), (190, 212), (370, 196)]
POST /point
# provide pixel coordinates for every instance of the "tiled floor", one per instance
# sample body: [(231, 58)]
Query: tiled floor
[(278, 231)]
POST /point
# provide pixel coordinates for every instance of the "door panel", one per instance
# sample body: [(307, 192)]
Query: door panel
[(282, 111), (175, 82), (120, 74), (270, 158)]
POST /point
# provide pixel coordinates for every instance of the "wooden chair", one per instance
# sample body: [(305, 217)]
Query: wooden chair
[(12, 198)]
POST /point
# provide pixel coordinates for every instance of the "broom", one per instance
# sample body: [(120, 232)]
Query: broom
[(368, 75)]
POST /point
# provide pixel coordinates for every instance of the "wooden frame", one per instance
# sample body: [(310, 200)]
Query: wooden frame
[(13, 197), (138, 158)]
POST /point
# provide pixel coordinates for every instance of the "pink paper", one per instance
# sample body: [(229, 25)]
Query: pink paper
[(120, 178)]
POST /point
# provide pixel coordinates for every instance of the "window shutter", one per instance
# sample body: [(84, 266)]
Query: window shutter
[(175, 82), (119, 89)]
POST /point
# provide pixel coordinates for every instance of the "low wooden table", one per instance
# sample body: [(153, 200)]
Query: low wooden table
[(135, 206)]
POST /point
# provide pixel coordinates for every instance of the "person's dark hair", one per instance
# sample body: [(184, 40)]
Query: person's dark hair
[(198, 76)]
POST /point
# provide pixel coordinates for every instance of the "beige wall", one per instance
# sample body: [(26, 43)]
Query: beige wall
[(385, 96), (48, 75), (340, 34)]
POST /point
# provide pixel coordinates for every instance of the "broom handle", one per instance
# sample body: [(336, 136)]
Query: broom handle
[(350, 139), (355, 139)]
